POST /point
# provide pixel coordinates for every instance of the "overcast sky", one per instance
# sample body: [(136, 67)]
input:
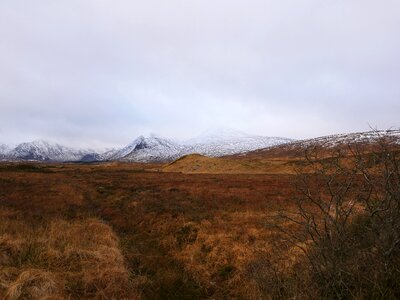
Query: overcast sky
[(100, 72)]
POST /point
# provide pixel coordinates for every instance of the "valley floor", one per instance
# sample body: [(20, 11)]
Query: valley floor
[(259, 226), (124, 231)]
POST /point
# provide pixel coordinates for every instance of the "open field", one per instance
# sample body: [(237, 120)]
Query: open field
[(182, 236), (141, 231), (198, 164)]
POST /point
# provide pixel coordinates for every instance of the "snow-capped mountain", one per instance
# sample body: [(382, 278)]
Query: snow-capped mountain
[(334, 140), (227, 141), (212, 143), (150, 149), (4, 150), (157, 149), (363, 140), (146, 149), (40, 150), (216, 136)]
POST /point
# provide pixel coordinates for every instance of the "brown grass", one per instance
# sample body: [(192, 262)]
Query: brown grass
[(177, 236), (195, 163), (195, 229), (60, 259)]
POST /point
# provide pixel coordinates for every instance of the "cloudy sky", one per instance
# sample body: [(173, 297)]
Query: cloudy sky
[(100, 72)]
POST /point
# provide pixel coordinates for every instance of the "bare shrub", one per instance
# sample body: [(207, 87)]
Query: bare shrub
[(347, 221)]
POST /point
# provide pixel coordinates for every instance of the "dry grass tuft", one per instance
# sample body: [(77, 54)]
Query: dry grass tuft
[(9, 248), (36, 284), (62, 259)]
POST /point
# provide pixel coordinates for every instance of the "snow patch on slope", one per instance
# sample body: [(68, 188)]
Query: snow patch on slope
[(211, 143), (332, 141), (227, 141), (40, 150), (150, 149)]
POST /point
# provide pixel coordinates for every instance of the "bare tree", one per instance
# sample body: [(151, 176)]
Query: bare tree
[(346, 219)]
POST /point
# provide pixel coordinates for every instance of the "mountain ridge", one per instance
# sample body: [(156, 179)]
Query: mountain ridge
[(327, 142), (155, 148)]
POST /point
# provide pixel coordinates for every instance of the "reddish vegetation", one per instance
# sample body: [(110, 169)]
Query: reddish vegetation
[(182, 236), (130, 231)]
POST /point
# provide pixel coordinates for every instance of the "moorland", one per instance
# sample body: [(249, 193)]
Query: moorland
[(202, 228)]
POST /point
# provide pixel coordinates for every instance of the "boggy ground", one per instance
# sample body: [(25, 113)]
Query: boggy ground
[(128, 231)]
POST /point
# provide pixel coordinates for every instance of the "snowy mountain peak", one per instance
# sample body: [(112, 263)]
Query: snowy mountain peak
[(152, 148), (226, 141), (151, 141), (41, 150), (4, 149), (41, 143), (148, 149), (216, 136)]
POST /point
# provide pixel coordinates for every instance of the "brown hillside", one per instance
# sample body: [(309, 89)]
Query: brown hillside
[(196, 163)]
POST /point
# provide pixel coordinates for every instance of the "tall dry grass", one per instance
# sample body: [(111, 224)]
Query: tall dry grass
[(78, 259)]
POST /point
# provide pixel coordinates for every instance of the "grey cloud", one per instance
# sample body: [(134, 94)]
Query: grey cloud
[(100, 72)]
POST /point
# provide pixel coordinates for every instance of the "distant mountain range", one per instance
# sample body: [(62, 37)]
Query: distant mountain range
[(40, 150), (145, 149), (334, 141), (157, 149)]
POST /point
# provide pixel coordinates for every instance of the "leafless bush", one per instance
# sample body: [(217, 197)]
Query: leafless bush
[(346, 220)]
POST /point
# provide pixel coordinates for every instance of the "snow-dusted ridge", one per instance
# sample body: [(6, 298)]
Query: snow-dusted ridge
[(212, 143), (4, 150), (158, 149), (146, 149), (222, 142), (217, 136), (40, 150), (150, 149), (331, 141)]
